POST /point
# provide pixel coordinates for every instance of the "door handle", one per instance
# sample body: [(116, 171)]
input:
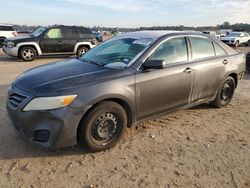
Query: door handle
[(60, 41), (225, 61), (188, 70)]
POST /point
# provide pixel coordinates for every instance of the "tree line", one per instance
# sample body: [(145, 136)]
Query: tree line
[(225, 25)]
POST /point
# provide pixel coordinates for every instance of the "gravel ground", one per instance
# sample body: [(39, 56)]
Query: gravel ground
[(199, 147)]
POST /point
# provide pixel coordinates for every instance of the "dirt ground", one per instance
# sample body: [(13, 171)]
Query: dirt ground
[(199, 147)]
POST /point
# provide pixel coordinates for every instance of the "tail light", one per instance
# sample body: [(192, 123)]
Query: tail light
[(14, 33)]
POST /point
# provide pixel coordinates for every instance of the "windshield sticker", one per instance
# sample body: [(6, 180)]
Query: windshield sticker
[(144, 42)]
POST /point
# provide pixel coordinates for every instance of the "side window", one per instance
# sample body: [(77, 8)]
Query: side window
[(68, 33), (218, 50), (201, 48), (172, 51), (54, 33), (84, 32)]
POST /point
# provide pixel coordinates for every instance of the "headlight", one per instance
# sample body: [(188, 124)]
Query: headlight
[(49, 103), (10, 44)]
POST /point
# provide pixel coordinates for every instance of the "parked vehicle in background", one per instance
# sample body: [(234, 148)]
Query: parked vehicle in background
[(224, 32), (6, 31), (212, 33), (24, 32), (122, 82), (236, 39), (98, 36), (55, 40)]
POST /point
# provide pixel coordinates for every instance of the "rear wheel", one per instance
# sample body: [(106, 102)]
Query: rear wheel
[(27, 53), (81, 50), (103, 126), (225, 93)]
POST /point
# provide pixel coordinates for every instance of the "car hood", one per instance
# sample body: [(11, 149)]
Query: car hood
[(26, 37), (52, 78)]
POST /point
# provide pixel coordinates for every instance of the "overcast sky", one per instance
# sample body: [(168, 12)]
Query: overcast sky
[(124, 13)]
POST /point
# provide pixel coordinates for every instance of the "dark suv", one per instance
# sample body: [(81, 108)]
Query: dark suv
[(55, 40)]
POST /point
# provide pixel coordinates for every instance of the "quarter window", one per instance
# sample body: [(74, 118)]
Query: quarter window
[(201, 48), (218, 50), (172, 51), (54, 33)]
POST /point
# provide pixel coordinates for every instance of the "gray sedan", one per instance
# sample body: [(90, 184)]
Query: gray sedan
[(122, 82)]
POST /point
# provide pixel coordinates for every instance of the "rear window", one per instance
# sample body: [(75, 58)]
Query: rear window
[(201, 48), (6, 28)]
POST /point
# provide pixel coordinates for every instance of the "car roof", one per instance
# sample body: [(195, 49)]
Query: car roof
[(155, 34), (5, 24), (71, 26)]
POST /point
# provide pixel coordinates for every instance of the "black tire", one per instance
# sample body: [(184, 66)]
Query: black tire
[(225, 93), (237, 43), (81, 50), (1, 41), (103, 126), (248, 43), (27, 53)]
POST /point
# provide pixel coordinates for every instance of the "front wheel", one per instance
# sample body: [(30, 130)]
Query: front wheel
[(237, 43), (225, 93), (81, 50), (248, 43), (103, 126), (27, 53)]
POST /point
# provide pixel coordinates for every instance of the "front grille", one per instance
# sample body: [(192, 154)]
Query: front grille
[(16, 99)]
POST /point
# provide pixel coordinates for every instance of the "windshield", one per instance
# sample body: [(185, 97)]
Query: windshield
[(234, 35), (116, 53), (38, 31)]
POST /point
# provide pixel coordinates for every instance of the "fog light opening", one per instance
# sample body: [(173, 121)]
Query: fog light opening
[(41, 135)]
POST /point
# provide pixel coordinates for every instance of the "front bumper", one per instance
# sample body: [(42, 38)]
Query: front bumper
[(11, 51), (229, 42), (52, 128)]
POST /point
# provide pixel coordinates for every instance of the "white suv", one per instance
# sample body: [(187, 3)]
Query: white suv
[(6, 31), (236, 39)]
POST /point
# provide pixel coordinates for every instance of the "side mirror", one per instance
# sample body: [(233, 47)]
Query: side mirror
[(154, 64)]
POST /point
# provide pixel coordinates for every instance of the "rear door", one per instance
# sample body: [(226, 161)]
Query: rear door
[(165, 89), (210, 66), (70, 36), (52, 41)]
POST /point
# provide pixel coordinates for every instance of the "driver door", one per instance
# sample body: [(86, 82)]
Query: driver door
[(165, 89), (52, 41)]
